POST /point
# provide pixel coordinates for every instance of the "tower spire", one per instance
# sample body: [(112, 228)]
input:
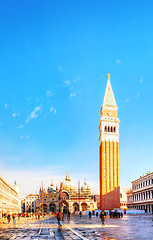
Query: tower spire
[(109, 99), (52, 182), (66, 176)]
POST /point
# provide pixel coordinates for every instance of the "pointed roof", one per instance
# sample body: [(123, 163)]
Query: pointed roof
[(109, 99), (52, 185)]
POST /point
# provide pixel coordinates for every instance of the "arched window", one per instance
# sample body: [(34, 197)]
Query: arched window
[(105, 128), (111, 129), (114, 129), (108, 129)]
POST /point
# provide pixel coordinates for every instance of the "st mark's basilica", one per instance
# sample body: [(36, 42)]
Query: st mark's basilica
[(67, 198)]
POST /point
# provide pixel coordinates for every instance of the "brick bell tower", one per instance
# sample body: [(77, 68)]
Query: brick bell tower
[(109, 152)]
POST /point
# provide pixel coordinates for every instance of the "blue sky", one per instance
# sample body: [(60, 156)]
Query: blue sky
[(54, 61)]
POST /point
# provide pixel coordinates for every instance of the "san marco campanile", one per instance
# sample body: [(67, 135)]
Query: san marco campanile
[(109, 152)]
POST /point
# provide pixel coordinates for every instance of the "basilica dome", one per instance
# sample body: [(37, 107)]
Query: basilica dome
[(85, 187), (67, 184), (51, 187)]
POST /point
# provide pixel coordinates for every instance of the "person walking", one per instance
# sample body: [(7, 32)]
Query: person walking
[(68, 215), (102, 217), (59, 219), (8, 218), (80, 214), (14, 219), (19, 216)]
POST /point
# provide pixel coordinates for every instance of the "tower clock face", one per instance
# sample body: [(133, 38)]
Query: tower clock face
[(109, 114)]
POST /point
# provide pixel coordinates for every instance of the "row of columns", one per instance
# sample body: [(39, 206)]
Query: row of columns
[(143, 196), (148, 208)]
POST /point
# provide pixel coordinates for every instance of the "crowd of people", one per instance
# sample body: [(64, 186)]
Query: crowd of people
[(102, 215), (115, 214), (60, 216), (15, 216)]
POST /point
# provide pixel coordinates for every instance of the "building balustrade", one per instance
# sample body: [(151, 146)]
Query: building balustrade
[(143, 188)]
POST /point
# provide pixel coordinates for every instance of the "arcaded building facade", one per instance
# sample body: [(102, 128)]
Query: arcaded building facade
[(109, 151), (66, 198), (141, 195), (10, 201), (29, 203)]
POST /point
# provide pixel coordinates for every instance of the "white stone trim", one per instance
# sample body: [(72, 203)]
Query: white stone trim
[(109, 138)]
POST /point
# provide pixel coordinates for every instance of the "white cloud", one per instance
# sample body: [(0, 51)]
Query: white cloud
[(25, 137), (52, 109), (127, 100), (6, 106), (77, 79), (49, 93), (28, 120), (118, 61), (59, 68), (73, 95), (67, 83), (20, 126), (15, 114), (141, 80), (138, 95), (33, 114)]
